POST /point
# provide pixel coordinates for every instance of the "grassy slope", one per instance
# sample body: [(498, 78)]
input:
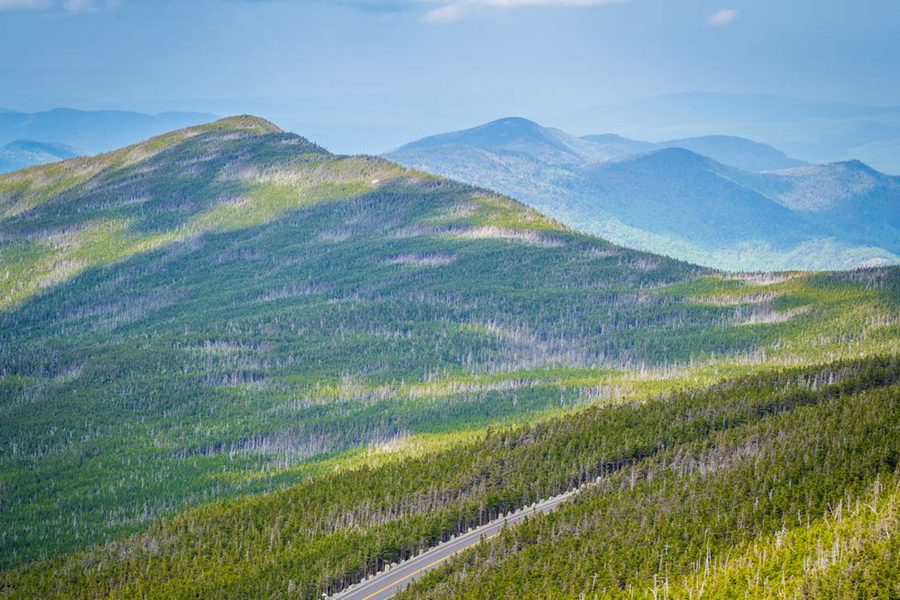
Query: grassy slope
[(229, 309)]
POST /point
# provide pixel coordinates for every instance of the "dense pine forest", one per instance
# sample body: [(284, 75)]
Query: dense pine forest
[(235, 365), (774, 482)]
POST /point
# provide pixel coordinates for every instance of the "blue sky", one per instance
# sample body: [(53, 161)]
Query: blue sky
[(365, 74)]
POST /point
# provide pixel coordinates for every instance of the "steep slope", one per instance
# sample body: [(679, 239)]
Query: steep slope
[(799, 502), (226, 308), (764, 486), (675, 202), (26, 153)]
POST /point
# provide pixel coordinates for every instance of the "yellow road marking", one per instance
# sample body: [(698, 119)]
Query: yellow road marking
[(399, 581)]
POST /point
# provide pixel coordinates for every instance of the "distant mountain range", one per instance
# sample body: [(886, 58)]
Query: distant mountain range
[(725, 209), (27, 153), (815, 131), (80, 132), (734, 151)]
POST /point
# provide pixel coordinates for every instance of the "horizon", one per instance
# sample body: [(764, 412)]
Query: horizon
[(343, 73), (888, 163)]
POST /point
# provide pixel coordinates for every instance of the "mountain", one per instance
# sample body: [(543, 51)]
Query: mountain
[(849, 199), (515, 135), (814, 131), (676, 202), (233, 364), (26, 153), (678, 192), (729, 150), (736, 152), (90, 132)]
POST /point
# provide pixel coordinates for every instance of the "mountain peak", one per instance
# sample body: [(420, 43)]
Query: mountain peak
[(246, 123), (609, 138), (512, 135), (502, 133), (516, 123), (856, 165), (675, 156)]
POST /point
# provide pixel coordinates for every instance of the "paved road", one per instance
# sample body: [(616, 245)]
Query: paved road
[(387, 583)]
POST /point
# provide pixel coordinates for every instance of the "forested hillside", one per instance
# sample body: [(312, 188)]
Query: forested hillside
[(768, 484), (802, 501), (229, 309)]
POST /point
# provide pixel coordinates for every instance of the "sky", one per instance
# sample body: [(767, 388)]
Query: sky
[(370, 74)]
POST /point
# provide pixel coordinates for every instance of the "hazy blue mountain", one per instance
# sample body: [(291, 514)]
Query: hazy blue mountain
[(553, 146), (622, 146), (850, 199), (814, 131), (676, 202), (91, 132), (514, 135), (27, 153), (730, 150), (737, 152), (676, 191)]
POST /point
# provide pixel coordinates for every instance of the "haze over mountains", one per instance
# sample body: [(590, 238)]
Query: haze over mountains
[(734, 151), (65, 132), (811, 130), (26, 153), (231, 298), (667, 198)]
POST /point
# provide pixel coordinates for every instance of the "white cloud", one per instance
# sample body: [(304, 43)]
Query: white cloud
[(458, 9), (722, 17)]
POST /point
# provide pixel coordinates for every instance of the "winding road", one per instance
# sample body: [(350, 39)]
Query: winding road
[(387, 583)]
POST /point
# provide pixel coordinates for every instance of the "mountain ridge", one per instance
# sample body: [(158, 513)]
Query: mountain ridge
[(815, 131), (632, 200), (731, 150)]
